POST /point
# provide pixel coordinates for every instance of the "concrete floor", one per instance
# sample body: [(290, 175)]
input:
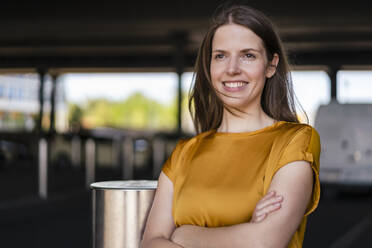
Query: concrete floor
[(61, 221), (341, 221)]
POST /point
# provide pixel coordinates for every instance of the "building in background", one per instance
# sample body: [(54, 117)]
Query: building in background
[(19, 102)]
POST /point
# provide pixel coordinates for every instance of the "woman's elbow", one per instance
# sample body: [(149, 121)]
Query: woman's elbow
[(261, 239), (270, 242), (269, 245), (144, 243), (147, 242), (153, 242)]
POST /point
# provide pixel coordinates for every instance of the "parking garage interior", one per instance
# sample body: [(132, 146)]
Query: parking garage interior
[(47, 166)]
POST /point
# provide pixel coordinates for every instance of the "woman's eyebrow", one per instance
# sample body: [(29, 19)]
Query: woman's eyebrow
[(218, 51), (250, 49), (242, 51)]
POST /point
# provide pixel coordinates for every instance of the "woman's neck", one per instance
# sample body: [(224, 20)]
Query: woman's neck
[(244, 122)]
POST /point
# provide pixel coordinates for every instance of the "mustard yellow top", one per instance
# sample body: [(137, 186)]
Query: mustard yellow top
[(218, 178)]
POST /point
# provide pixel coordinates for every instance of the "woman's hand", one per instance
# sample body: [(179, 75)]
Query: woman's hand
[(268, 204)]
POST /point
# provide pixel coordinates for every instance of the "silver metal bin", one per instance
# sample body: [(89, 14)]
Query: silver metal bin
[(120, 210)]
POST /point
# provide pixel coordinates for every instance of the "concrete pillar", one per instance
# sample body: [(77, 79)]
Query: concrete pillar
[(41, 100), (180, 41), (52, 127), (332, 73), (90, 162), (43, 169)]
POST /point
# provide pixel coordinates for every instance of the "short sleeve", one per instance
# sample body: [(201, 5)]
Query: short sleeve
[(169, 165), (304, 145)]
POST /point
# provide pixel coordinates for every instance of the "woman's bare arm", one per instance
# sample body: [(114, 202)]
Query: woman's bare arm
[(294, 182), (160, 224), (159, 229)]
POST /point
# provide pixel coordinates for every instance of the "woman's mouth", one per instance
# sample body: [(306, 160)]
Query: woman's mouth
[(234, 86)]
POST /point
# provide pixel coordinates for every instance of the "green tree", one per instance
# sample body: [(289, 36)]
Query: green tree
[(75, 114), (136, 112)]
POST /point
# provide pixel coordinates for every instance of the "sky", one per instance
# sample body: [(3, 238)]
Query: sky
[(118, 86), (312, 88)]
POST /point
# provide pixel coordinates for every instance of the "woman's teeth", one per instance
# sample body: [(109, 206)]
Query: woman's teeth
[(234, 84)]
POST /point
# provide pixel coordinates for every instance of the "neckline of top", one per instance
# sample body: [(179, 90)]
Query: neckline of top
[(240, 134)]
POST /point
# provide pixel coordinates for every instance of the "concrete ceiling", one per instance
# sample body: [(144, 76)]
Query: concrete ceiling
[(146, 34)]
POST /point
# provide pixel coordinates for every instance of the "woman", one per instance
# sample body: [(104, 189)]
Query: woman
[(250, 176)]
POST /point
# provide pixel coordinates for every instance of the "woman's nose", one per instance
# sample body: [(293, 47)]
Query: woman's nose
[(233, 66)]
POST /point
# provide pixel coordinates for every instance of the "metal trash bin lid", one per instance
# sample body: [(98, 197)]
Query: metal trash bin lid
[(126, 185)]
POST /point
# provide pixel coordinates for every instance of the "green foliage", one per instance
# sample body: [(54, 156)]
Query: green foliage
[(75, 113), (135, 112)]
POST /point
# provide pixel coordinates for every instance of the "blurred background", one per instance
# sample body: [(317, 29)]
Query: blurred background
[(98, 91)]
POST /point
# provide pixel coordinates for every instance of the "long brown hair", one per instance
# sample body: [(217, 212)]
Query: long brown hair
[(277, 99)]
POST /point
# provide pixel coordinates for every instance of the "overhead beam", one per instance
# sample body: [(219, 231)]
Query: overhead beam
[(153, 61)]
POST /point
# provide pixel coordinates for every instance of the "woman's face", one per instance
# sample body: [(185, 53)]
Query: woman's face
[(239, 66)]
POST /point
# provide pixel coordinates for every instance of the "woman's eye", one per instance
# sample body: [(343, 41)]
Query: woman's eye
[(219, 56), (249, 56)]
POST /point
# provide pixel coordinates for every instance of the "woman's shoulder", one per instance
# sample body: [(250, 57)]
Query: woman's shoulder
[(292, 128), (297, 131), (185, 143), (189, 140)]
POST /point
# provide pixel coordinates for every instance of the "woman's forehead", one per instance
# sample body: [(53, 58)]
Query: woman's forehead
[(237, 37)]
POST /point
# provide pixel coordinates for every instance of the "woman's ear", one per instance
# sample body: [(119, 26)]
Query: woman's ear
[(271, 68)]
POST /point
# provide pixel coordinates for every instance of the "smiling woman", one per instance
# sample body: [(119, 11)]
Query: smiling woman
[(238, 69), (259, 51), (249, 178)]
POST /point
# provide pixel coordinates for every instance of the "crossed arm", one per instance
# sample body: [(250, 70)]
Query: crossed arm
[(293, 181)]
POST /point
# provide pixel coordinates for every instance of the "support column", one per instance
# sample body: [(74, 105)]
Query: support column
[(76, 151), (332, 73), (42, 143), (158, 144), (90, 162), (128, 159), (39, 125), (180, 41), (52, 127), (43, 169)]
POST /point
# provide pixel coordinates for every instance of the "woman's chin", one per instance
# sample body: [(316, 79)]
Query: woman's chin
[(236, 106)]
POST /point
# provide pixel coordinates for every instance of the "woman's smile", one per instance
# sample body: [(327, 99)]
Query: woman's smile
[(234, 86)]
